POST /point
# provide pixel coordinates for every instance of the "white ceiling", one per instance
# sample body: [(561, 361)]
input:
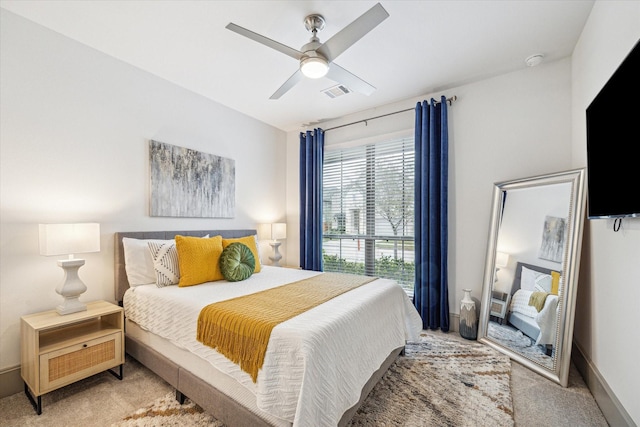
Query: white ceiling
[(422, 48)]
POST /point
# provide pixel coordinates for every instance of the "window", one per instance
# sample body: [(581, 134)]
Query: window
[(368, 214)]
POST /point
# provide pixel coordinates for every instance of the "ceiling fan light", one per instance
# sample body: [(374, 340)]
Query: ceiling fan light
[(314, 67)]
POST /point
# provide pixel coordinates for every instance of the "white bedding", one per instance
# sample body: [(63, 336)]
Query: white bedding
[(546, 319), (316, 363)]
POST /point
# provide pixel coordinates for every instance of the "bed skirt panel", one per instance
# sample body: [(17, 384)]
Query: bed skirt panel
[(160, 365)]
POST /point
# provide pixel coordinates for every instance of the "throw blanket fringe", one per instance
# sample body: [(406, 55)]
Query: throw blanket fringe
[(240, 328), (537, 299)]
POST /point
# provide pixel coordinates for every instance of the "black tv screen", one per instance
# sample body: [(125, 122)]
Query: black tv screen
[(613, 141)]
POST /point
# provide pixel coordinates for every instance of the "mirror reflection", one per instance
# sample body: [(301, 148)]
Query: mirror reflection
[(529, 291)]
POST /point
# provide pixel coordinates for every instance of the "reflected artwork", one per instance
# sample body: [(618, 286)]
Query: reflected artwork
[(553, 236)]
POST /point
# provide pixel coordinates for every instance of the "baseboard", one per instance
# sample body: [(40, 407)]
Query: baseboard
[(609, 404), (10, 382), (454, 322)]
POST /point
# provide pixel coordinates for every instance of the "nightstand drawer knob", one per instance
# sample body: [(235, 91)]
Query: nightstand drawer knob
[(84, 346)]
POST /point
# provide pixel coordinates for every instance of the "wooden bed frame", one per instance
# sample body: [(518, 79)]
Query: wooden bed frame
[(186, 383)]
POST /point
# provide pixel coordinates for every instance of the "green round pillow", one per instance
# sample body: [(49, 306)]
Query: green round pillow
[(237, 262)]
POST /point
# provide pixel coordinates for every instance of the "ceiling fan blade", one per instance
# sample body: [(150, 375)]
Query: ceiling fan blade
[(353, 82), (294, 53), (291, 82), (353, 32)]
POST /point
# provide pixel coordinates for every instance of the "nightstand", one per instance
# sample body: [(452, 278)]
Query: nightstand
[(499, 305), (59, 350)]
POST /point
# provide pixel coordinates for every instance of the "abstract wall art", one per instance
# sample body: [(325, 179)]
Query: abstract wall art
[(553, 238), (189, 183)]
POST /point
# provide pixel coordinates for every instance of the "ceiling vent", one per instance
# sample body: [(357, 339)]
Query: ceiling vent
[(336, 91)]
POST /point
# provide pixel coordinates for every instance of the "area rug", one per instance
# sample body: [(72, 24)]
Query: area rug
[(439, 381), (166, 411), (442, 382), (514, 339)]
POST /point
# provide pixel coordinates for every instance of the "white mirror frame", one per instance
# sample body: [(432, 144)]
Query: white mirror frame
[(570, 266)]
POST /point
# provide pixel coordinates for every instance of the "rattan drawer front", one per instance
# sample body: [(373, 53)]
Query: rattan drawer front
[(72, 363), (496, 308)]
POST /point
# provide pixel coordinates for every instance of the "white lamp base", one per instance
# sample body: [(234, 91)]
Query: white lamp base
[(71, 288), (275, 259)]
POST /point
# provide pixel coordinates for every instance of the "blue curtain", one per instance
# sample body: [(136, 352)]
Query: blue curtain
[(431, 295), (311, 158)]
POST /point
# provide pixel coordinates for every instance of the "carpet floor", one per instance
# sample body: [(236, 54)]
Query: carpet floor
[(102, 400)]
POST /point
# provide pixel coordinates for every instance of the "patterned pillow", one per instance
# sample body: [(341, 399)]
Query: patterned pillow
[(165, 262), (138, 262), (529, 277), (543, 283), (237, 262)]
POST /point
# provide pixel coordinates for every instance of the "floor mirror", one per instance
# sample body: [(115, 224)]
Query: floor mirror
[(531, 271)]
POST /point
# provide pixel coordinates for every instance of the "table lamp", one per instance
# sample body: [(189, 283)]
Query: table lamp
[(278, 231), (70, 239), (502, 260)]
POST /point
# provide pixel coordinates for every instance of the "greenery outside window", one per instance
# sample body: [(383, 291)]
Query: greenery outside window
[(368, 210)]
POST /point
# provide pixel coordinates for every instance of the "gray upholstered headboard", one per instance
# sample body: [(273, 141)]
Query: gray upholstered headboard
[(120, 274), (516, 279)]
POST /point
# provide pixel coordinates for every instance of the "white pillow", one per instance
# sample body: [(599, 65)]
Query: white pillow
[(138, 262), (258, 249), (165, 263), (528, 279)]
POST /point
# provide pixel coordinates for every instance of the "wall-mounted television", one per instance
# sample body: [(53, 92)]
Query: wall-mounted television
[(613, 141)]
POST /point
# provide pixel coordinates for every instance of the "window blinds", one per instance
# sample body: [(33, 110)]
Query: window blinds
[(368, 210)]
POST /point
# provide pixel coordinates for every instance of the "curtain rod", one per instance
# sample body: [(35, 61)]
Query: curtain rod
[(449, 101)]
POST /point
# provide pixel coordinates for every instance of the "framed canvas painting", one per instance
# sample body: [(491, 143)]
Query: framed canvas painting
[(553, 237), (189, 183)]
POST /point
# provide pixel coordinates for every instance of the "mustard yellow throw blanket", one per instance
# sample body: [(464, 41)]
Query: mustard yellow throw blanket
[(537, 299), (240, 327)]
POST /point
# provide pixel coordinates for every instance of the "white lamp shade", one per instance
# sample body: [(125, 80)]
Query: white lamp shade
[(264, 231), (278, 230), (69, 239), (502, 259)]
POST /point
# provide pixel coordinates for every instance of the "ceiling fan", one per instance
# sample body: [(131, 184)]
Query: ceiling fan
[(316, 59)]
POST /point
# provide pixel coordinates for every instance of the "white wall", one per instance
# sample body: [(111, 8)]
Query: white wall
[(512, 126), (606, 325), (75, 126), (521, 226)]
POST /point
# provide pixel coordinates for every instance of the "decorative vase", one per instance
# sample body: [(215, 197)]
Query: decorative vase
[(468, 317)]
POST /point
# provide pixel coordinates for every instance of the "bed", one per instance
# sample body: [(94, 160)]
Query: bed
[(319, 365), (539, 325)]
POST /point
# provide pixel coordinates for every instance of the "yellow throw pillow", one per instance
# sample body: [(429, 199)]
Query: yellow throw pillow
[(198, 259), (555, 282), (249, 241)]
